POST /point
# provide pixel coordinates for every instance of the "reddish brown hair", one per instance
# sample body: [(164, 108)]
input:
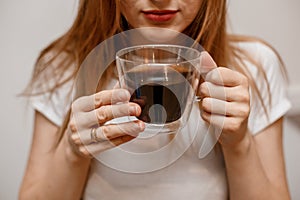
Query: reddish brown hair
[(98, 20)]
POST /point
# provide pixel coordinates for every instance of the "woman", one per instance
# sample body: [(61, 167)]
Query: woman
[(249, 164)]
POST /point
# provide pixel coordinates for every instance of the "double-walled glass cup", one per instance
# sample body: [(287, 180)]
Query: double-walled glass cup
[(163, 80)]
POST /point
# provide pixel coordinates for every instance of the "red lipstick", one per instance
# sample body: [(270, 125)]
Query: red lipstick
[(160, 15)]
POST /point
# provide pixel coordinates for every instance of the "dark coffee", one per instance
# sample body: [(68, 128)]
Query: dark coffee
[(161, 91)]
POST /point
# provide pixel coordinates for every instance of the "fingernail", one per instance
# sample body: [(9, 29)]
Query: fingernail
[(133, 110)]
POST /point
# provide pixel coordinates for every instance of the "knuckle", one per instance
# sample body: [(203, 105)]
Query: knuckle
[(245, 110), (213, 75), (233, 126), (206, 104), (244, 80), (105, 131), (102, 114), (98, 101), (84, 151), (203, 89), (74, 106), (72, 125), (205, 116), (74, 139), (244, 97)]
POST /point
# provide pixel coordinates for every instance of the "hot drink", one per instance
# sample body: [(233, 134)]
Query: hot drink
[(161, 90), (163, 80)]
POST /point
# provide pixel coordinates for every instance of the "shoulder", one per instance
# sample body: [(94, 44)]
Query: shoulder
[(52, 87), (260, 53), (261, 60), (52, 70), (263, 63), (254, 46), (53, 60), (267, 73)]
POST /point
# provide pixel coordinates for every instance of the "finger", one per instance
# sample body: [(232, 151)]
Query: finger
[(96, 148), (88, 149), (207, 63), (226, 77), (214, 106), (105, 97), (109, 132), (237, 94), (226, 124), (105, 113), (220, 107), (208, 89), (73, 138), (214, 119), (117, 130)]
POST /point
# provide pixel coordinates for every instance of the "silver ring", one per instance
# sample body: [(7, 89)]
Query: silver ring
[(94, 137)]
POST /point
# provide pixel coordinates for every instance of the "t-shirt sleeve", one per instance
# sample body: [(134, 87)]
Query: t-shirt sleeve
[(278, 103), (54, 106)]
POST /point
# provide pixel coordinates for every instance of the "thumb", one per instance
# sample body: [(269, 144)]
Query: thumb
[(206, 63)]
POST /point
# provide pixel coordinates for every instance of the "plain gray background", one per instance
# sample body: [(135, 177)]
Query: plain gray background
[(27, 26)]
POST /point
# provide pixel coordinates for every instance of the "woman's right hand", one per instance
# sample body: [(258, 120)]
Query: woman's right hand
[(89, 134)]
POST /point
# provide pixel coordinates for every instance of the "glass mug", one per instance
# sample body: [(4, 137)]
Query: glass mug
[(163, 80)]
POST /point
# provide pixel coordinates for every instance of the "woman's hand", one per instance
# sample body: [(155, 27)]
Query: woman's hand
[(225, 102), (88, 131)]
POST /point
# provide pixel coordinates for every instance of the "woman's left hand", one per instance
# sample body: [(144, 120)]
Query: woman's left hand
[(226, 103)]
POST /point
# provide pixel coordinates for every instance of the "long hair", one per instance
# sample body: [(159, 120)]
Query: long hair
[(98, 20)]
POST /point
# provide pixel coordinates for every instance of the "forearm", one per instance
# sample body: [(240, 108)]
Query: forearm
[(61, 175), (247, 178)]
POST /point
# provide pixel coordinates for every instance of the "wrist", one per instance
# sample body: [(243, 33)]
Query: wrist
[(241, 147)]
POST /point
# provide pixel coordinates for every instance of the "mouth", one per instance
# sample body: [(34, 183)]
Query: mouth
[(160, 16)]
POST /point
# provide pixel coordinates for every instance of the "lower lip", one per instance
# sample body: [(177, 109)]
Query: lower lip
[(160, 17)]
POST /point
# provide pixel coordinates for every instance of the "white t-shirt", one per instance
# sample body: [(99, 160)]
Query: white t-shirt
[(154, 168)]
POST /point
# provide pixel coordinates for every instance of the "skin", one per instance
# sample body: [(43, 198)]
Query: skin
[(254, 164), (249, 159), (187, 11)]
